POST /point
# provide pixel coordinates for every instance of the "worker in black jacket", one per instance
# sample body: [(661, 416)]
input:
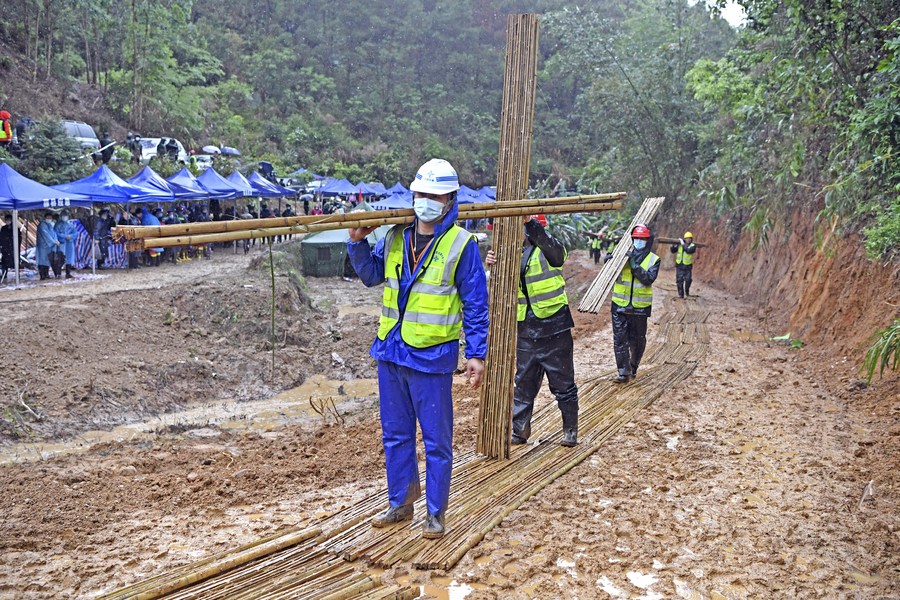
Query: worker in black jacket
[(544, 343)]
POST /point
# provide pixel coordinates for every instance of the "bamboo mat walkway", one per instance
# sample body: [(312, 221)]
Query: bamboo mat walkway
[(334, 563)]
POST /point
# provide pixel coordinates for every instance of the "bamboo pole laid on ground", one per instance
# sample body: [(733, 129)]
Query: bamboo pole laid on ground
[(360, 219), (601, 286), (516, 126)]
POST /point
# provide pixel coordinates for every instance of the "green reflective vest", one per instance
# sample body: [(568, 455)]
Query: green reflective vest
[(682, 257), (5, 131), (545, 286), (629, 291), (433, 313), (597, 243)]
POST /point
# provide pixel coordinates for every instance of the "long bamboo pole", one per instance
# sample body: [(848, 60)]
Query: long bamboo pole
[(354, 220), (671, 240), (516, 127), (129, 232)]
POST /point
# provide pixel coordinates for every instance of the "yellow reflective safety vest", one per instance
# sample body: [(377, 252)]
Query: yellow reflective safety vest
[(433, 313), (544, 285), (597, 243), (682, 257), (629, 291), (5, 131)]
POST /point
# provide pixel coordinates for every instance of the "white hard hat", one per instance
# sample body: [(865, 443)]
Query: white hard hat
[(437, 176)]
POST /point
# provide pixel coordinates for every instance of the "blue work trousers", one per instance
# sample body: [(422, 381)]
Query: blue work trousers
[(408, 395)]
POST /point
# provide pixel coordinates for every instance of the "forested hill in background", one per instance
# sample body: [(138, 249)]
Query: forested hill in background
[(652, 96)]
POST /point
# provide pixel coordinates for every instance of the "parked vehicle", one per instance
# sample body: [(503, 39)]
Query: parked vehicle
[(149, 148), (82, 133), (202, 161)]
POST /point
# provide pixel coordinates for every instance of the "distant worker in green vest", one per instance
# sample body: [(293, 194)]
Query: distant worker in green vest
[(684, 263), (544, 342), (597, 247), (434, 287), (632, 301)]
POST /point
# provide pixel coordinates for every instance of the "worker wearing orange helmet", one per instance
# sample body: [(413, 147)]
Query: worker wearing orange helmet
[(632, 301), (544, 341), (684, 263), (5, 129)]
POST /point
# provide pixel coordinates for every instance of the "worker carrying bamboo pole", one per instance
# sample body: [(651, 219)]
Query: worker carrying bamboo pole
[(632, 302), (434, 286), (684, 263), (544, 340)]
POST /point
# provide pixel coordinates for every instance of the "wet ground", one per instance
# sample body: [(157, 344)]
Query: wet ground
[(749, 480)]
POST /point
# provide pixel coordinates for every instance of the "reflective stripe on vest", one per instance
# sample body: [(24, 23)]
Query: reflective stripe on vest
[(545, 286), (629, 291), (682, 257), (433, 312)]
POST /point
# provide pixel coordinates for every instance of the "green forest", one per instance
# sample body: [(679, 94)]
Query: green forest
[(800, 105)]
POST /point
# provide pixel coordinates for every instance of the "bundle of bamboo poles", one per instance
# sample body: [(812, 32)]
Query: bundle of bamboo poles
[(191, 234), (516, 125), (601, 286)]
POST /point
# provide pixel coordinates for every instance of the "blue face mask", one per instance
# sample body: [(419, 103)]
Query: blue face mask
[(428, 210), (640, 244)]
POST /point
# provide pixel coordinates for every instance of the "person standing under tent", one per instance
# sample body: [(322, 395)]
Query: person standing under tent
[(434, 288), (47, 243), (632, 301), (7, 256), (66, 233)]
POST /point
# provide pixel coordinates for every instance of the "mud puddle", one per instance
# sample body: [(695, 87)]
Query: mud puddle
[(317, 398), (442, 588)]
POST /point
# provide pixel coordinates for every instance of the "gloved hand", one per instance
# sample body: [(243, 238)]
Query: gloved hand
[(681, 241)]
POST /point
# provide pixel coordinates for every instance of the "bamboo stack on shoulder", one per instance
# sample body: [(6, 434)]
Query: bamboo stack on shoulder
[(516, 125), (602, 285), (671, 240), (192, 234)]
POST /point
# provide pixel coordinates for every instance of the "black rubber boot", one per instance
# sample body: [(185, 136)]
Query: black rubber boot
[(434, 527), (394, 514), (68, 271), (44, 272), (570, 424)]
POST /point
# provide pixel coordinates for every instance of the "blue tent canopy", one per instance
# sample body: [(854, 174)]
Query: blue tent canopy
[(149, 178), (266, 188), (217, 186), (366, 190), (185, 179), (17, 192), (467, 191), (489, 192), (378, 188), (105, 186), (338, 187), (239, 181), (397, 188), (394, 201)]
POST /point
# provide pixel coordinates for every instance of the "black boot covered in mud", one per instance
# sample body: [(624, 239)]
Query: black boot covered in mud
[(570, 425)]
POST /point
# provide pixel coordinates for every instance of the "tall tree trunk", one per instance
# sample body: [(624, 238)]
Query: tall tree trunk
[(48, 6), (134, 65)]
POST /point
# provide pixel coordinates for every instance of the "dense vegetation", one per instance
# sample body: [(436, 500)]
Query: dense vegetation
[(798, 108)]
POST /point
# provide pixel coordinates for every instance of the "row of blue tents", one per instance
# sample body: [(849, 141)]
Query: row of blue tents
[(18, 192)]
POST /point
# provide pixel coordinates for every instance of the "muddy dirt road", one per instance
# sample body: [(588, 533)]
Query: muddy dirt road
[(748, 480)]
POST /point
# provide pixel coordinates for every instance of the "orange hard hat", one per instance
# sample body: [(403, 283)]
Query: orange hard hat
[(4, 114), (541, 219)]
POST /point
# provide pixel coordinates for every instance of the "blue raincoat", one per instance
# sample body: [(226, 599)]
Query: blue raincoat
[(66, 233), (415, 383), (150, 220), (47, 242)]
